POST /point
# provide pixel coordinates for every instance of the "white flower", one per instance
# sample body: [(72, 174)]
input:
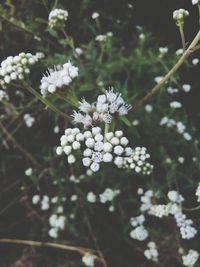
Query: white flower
[(179, 51), (53, 232), (29, 172), (74, 198), (91, 197), (95, 15), (57, 18), (151, 253), (191, 258), (198, 193), (45, 203), (58, 77), (163, 50), (101, 38), (175, 104), (148, 108), (95, 166), (71, 159), (88, 260), (139, 233), (174, 196), (180, 14), (107, 157), (195, 61), (35, 199), (17, 67), (108, 195), (29, 120), (187, 136), (158, 79), (186, 87)]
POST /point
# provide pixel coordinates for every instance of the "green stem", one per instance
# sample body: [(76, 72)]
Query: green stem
[(181, 30), (193, 209), (158, 86), (45, 101), (106, 130)]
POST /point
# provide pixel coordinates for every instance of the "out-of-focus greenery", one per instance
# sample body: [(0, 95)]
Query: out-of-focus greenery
[(130, 67)]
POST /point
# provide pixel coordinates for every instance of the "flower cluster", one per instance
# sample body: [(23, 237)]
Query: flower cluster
[(57, 218), (198, 193), (191, 258), (57, 18), (97, 148), (44, 201), (57, 223), (140, 233), (29, 120), (180, 14), (58, 77), (180, 127), (104, 109), (151, 253), (103, 37), (15, 68), (174, 208)]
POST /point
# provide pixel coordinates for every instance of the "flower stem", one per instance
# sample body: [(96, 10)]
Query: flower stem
[(157, 87), (45, 101), (106, 130), (193, 209), (182, 37)]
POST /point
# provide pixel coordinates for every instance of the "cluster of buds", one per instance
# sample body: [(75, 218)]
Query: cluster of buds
[(190, 258), (104, 109), (58, 77), (151, 253), (15, 68), (180, 15), (57, 18), (97, 148)]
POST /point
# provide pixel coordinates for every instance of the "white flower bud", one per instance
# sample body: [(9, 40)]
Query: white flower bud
[(124, 141), (71, 159), (107, 147), (76, 145), (67, 150), (95, 167), (109, 135), (79, 137), (90, 142), (107, 157), (118, 150), (96, 130), (114, 141), (87, 152), (119, 134), (59, 150), (86, 162)]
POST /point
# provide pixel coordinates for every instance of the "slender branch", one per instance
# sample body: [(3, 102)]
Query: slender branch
[(193, 209), (156, 88), (45, 101), (18, 146), (182, 37), (80, 250)]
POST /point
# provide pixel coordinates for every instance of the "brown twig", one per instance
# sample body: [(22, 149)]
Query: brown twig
[(80, 250)]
